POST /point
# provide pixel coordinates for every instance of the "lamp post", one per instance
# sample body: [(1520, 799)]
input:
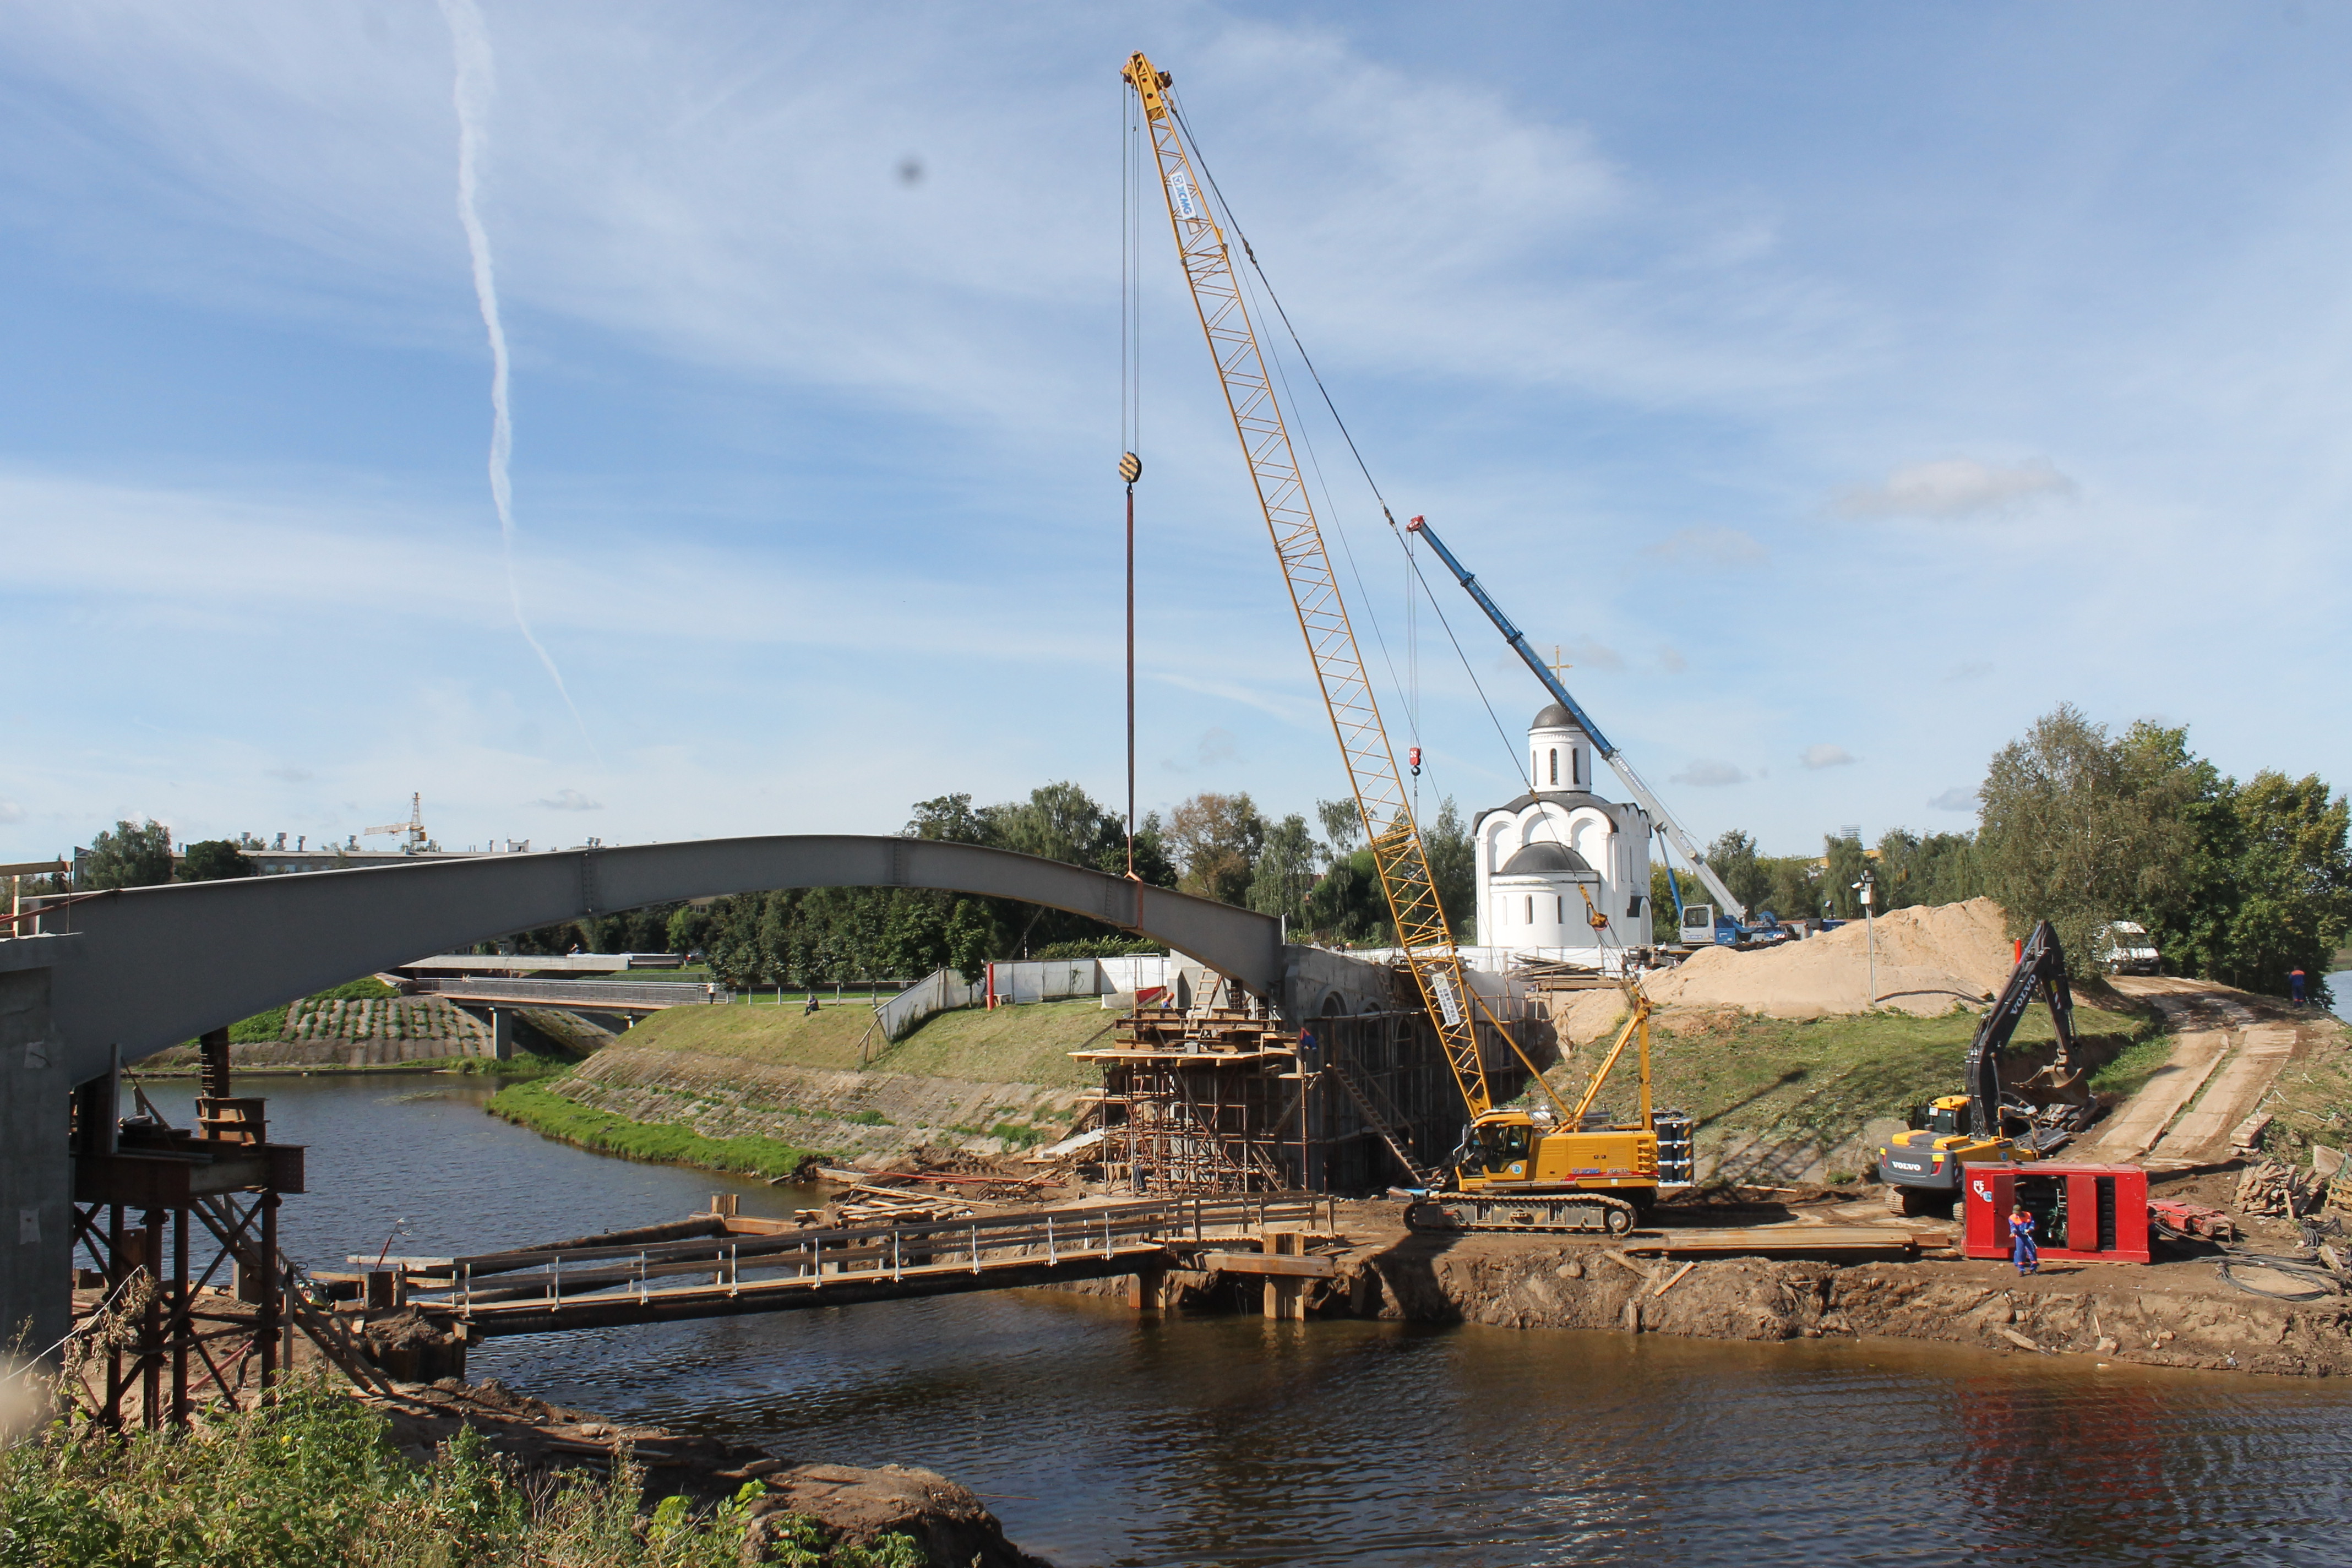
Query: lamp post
[(1868, 888)]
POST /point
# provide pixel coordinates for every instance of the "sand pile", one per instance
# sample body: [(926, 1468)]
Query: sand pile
[(1928, 959)]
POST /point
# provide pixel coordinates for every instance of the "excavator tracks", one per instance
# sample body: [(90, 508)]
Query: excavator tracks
[(1544, 1212)]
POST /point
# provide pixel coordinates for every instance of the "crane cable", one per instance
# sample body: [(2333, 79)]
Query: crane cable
[(1599, 923), (1177, 108)]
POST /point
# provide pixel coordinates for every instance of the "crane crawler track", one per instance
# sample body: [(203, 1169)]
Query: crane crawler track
[(1564, 1212)]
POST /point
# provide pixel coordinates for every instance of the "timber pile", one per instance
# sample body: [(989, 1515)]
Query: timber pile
[(2276, 1188)]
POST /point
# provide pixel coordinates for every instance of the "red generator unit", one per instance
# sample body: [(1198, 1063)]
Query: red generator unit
[(2082, 1214)]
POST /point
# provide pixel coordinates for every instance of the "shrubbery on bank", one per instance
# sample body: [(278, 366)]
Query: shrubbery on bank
[(540, 1109), (314, 1480)]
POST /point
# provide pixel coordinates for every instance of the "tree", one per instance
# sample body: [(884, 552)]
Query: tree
[(1843, 863), (2292, 881), (1343, 825), (1347, 905), (128, 855), (1940, 869), (1453, 870), (2080, 829), (214, 861), (1284, 869), (1732, 858), (1215, 840)]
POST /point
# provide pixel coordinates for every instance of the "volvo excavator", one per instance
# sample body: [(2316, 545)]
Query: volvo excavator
[(1990, 1124), (1516, 1169)]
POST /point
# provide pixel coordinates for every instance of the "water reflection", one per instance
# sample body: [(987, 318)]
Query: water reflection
[(1103, 1438)]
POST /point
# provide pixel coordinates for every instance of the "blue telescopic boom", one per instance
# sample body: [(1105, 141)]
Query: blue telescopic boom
[(1616, 760)]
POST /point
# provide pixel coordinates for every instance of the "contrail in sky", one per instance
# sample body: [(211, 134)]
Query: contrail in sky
[(475, 79)]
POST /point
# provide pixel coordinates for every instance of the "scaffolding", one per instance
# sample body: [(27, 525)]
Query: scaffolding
[(1219, 1100)]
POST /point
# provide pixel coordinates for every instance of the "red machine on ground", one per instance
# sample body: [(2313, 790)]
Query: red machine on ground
[(2084, 1213)]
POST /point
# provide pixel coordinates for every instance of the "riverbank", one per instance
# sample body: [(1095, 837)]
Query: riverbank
[(446, 1472), (984, 1081)]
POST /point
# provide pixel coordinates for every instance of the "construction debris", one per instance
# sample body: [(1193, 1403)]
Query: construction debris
[(2276, 1188)]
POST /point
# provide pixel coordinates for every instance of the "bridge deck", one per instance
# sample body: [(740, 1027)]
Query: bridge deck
[(743, 1264)]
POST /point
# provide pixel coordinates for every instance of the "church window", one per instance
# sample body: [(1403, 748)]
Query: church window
[(1580, 768), (1531, 909), (1560, 910), (1554, 755)]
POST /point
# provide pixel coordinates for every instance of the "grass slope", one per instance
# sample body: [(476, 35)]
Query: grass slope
[(1011, 1044), (1821, 1079), (540, 1109)]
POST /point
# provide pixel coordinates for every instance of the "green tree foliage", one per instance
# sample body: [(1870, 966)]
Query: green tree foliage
[(1939, 868), (1732, 858), (1343, 825), (214, 861), (2241, 883), (2080, 828), (1454, 869), (1284, 869), (1216, 840), (128, 855), (1347, 906)]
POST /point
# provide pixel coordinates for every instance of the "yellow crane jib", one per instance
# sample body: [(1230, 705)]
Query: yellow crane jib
[(1382, 798)]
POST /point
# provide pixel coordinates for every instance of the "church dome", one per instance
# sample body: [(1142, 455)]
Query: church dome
[(1545, 858), (1554, 717)]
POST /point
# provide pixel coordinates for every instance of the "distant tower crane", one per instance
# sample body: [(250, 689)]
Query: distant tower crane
[(413, 829)]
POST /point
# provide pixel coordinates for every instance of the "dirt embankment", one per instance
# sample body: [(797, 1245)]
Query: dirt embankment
[(850, 1504), (2178, 1313), (2113, 1313)]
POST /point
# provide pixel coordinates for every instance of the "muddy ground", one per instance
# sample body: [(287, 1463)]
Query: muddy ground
[(2178, 1311)]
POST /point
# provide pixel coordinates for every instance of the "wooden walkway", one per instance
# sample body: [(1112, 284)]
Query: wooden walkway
[(726, 1265)]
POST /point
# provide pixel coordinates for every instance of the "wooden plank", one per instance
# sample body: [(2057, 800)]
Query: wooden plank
[(1782, 1238), (1266, 1263)]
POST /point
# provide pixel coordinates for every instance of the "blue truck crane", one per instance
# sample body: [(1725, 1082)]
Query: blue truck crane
[(1727, 922)]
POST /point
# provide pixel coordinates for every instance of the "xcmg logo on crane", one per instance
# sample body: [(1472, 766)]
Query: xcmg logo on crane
[(1180, 191)]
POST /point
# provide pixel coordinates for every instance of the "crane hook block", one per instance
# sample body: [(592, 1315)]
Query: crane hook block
[(1130, 467)]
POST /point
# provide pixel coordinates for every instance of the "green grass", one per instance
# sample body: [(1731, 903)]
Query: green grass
[(2131, 1069), (540, 1109), (315, 1479), (1011, 1044), (1821, 1079)]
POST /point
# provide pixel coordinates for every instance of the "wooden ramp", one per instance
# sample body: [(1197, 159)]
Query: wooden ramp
[(737, 1265)]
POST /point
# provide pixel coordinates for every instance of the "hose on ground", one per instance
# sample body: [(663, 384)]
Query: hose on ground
[(2321, 1282)]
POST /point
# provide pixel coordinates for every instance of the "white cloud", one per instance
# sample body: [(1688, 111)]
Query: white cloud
[(1955, 487), (1671, 660), (1972, 669), (11, 812), (1958, 798), (1826, 756), (1720, 549), (1707, 774), (1591, 653), (572, 800)]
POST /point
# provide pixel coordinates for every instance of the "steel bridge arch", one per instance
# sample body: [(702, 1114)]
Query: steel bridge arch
[(146, 968)]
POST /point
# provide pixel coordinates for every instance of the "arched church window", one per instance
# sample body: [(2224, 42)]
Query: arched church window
[(1531, 909), (1560, 909), (1581, 768), (1553, 755)]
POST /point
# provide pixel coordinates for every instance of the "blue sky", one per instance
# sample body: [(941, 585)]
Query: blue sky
[(1840, 385)]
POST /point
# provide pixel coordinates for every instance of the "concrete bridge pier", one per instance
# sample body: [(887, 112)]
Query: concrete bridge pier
[(36, 1175), (500, 1022)]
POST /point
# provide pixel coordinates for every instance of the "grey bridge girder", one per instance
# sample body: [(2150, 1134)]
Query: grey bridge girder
[(145, 968), (148, 968)]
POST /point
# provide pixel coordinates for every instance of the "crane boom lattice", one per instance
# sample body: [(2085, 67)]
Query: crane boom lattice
[(1380, 797)]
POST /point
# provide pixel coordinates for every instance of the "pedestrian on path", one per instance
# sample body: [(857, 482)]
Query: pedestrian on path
[(2294, 984), (2024, 1251)]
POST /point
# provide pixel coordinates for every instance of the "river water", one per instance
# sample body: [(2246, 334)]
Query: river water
[(1102, 1438)]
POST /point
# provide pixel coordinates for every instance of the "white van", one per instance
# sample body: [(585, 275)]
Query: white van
[(2125, 948)]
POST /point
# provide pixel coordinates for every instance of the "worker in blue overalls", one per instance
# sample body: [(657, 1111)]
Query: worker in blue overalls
[(2024, 1251)]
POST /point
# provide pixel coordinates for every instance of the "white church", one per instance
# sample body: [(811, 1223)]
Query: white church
[(1561, 871)]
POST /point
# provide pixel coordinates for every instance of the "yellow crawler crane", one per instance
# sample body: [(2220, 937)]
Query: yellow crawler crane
[(1561, 1177)]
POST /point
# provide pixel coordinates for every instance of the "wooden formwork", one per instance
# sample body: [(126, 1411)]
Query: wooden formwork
[(1232, 1100)]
